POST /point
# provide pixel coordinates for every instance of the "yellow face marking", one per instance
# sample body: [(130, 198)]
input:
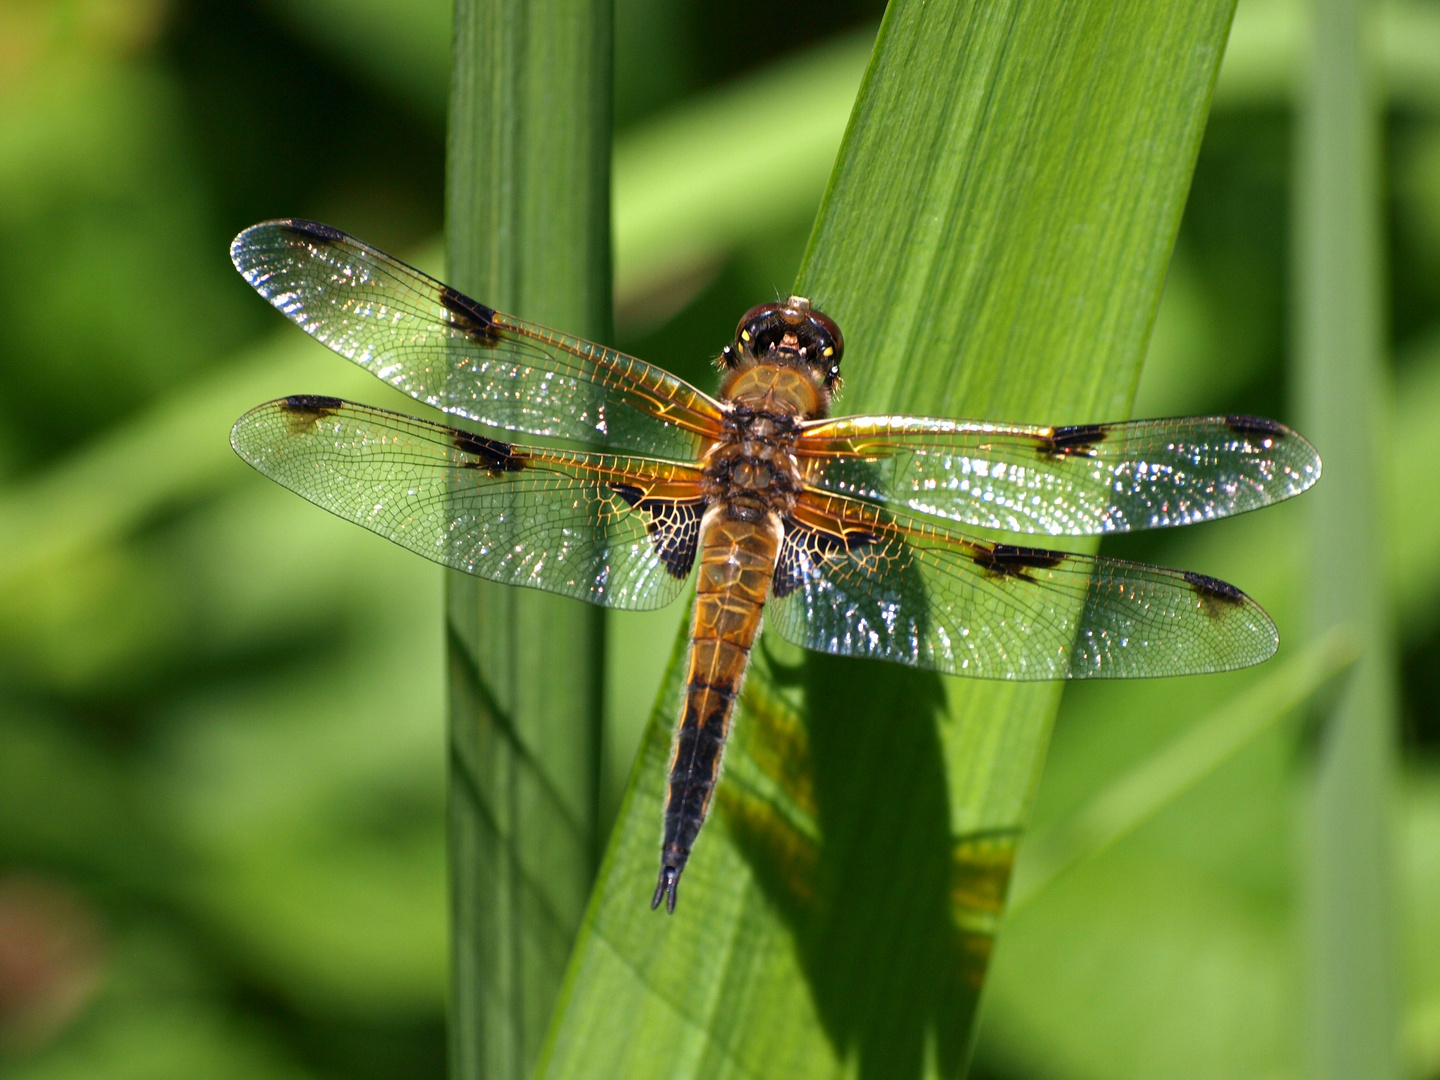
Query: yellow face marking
[(744, 335)]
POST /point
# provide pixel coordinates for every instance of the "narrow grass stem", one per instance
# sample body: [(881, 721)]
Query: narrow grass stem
[(1350, 895), (527, 226)]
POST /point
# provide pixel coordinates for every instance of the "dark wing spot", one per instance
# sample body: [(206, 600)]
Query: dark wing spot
[(471, 316), (673, 527), (790, 570), (494, 456), (311, 230), (1215, 595), (303, 411), (629, 492), (1009, 561), (1256, 427), (1077, 440), (314, 406), (804, 549)]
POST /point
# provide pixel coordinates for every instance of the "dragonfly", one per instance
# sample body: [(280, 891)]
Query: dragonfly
[(845, 532)]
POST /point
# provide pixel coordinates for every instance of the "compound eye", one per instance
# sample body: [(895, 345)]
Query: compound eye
[(834, 347), (744, 332)]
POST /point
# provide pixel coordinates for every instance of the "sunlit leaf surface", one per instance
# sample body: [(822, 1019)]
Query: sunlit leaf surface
[(993, 243)]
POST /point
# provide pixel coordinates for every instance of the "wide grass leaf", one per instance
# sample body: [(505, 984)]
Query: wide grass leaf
[(993, 242)]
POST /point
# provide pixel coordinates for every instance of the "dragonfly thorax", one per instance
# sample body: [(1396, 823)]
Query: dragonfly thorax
[(776, 390), (753, 470)]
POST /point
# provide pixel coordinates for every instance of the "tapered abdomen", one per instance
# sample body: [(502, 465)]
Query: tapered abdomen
[(737, 561)]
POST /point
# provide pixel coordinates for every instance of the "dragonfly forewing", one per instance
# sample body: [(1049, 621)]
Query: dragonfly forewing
[(460, 356), (1082, 480)]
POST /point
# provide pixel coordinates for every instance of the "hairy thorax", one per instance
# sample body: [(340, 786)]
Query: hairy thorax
[(753, 471)]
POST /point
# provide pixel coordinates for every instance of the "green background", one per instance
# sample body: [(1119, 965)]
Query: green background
[(221, 712)]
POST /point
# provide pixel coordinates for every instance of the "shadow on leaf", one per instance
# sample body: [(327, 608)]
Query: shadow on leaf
[(839, 804)]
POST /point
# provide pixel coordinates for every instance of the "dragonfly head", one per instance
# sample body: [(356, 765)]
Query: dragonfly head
[(791, 333)]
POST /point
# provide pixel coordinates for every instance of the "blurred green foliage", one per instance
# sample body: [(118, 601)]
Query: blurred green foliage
[(221, 758)]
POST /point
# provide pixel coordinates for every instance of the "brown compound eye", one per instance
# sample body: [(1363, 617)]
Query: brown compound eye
[(793, 328), (833, 348), (747, 329)]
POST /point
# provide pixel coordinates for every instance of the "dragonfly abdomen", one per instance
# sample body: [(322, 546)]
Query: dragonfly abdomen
[(737, 562)]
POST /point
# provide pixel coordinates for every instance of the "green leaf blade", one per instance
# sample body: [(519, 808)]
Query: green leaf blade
[(993, 243)]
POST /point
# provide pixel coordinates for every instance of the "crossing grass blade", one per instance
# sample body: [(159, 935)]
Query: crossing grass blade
[(1161, 779), (527, 209), (993, 241)]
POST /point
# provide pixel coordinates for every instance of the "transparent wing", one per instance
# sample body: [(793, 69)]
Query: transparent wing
[(447, 350), (1088, 479), (856, 581), (615, 531)]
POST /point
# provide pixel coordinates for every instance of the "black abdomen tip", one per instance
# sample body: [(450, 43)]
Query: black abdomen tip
[(665, 888)]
